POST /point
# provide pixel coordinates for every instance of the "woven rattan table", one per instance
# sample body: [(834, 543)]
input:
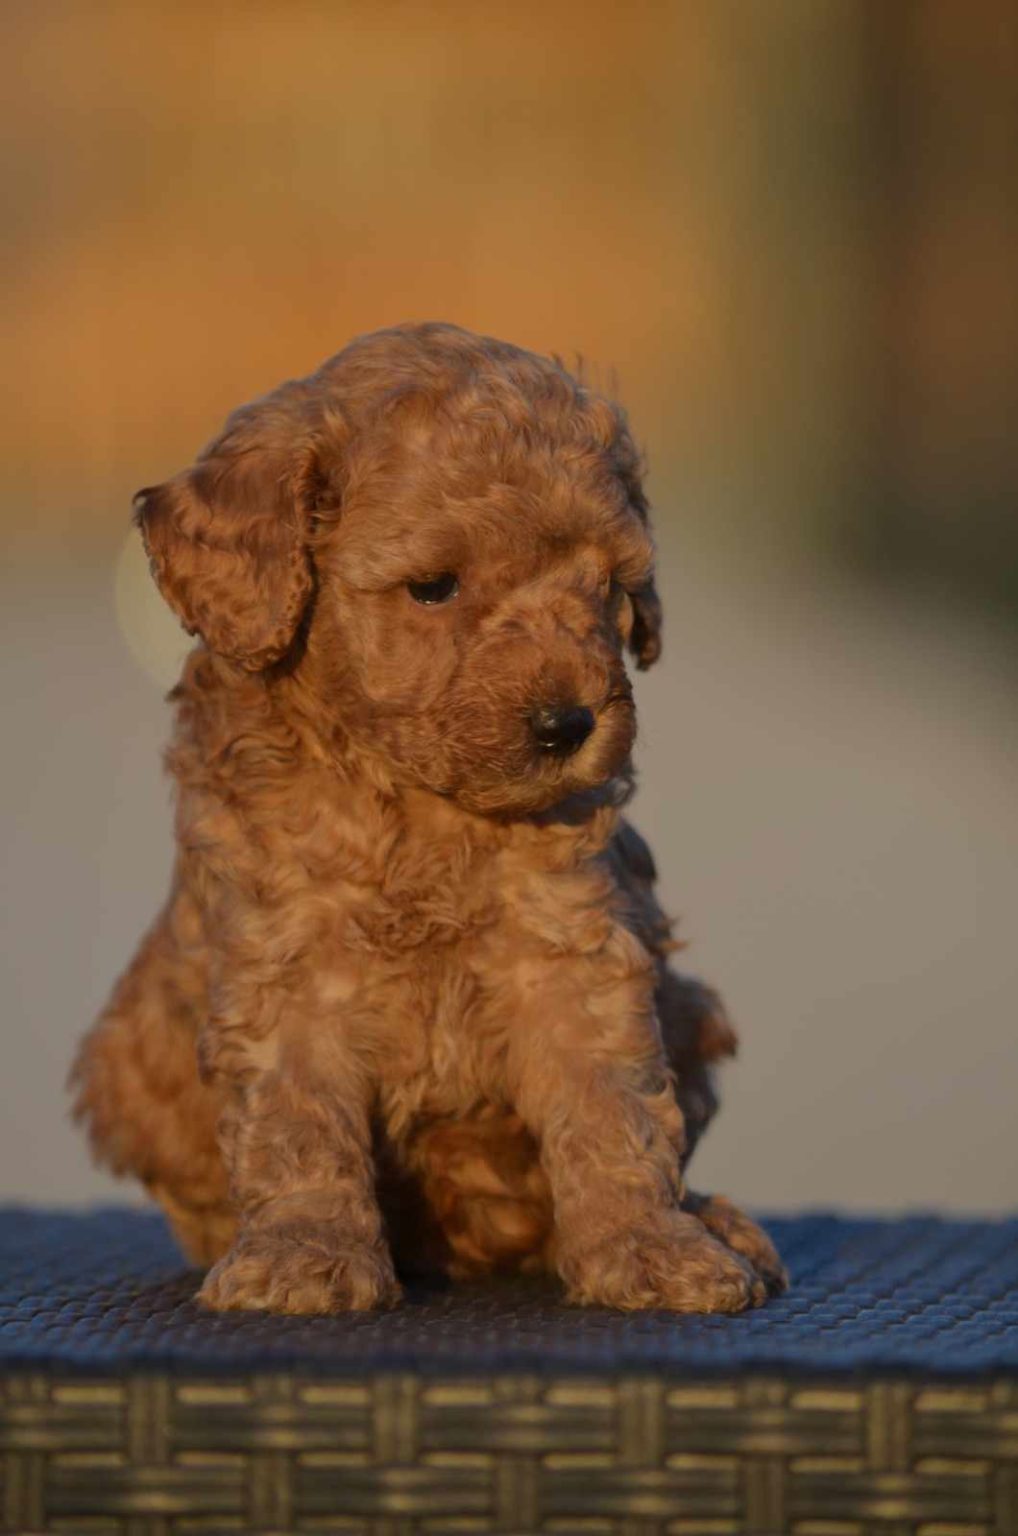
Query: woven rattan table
[(880, 1396)]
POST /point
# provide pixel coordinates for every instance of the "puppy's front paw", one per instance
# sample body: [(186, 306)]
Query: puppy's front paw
[(671, 1262), (307, 1271), (737, 1231)]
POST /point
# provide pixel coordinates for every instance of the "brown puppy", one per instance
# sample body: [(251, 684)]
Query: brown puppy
[(409, 994)]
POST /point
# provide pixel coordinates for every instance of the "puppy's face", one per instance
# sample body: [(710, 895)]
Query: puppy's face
[(474, 635), (446, 540)]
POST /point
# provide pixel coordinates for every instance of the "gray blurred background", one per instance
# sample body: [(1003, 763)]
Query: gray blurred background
[(787, 234)]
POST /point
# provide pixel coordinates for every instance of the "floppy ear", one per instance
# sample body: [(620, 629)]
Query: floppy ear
[(644, 638), (645, 635), (228, 539)]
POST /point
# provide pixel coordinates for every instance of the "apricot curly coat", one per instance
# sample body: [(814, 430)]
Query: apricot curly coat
[(409, 998)]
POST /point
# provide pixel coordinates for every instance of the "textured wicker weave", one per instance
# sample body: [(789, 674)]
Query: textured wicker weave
[(881, 1396)]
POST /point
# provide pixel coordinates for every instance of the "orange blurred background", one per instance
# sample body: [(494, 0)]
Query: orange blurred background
[(787, 235)]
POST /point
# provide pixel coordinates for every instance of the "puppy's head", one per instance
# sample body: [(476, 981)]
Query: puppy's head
[(457, 532)]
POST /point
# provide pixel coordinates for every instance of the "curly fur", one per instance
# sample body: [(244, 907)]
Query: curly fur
[(409, 998)]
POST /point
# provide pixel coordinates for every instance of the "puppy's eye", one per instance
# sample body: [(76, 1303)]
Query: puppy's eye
[(434, 589)]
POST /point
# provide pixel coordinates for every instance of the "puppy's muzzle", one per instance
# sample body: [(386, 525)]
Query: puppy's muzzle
[(561, 729)]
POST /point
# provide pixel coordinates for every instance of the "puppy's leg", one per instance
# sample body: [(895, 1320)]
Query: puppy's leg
[(136, 1086), (296, 1140), (479, 1189), (588, 1076), (696, 1032), (740, 1233)]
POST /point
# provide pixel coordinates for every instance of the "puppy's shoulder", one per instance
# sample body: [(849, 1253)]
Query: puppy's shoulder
[(630, 855)]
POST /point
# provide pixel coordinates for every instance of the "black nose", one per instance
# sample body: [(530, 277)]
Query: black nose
[(561, 728)]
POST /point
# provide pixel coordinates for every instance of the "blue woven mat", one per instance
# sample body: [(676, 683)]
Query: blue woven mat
[(107, 1293)]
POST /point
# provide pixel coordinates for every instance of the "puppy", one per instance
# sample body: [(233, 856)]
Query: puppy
[(408, 1003)]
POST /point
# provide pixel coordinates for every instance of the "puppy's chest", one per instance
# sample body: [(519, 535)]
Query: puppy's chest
[(375, 882), (425, 902), (422, 931), (444, 1045), (456, 1009)]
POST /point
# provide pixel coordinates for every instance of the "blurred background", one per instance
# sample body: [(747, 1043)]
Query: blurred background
[(787, 235)]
